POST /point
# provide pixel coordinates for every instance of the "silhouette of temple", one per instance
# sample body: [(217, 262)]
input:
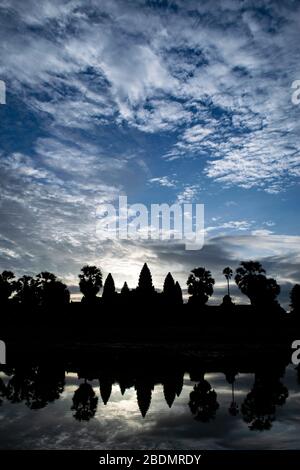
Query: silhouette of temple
[(40, 382), (46, 300)]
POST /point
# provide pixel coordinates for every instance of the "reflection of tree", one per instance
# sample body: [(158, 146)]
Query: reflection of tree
[(2, 390), (203, 402), (84, 402), (259, 407), (37, 386), (17, 386), (233, 407)]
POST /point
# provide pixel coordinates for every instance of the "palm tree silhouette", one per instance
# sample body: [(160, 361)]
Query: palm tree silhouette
[(228, 273), (200, 285), (252, 281), (90, 282)]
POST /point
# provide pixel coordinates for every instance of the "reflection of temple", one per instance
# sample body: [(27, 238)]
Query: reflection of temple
[(38, 384), (144, 394), (105, 388), (172, 386)]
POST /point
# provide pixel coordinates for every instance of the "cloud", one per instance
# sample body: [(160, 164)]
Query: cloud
[(116, 98), (188, 194), (196, 134), (164, 181)]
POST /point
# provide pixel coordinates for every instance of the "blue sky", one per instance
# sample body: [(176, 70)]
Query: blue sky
[(165, 101)]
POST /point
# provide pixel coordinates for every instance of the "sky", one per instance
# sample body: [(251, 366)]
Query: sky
[(162, 101)]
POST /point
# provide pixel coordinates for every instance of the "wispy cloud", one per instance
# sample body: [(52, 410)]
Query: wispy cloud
[(148, 98), (164, 181)]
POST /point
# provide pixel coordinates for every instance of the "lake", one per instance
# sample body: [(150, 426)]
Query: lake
[(165, 404)]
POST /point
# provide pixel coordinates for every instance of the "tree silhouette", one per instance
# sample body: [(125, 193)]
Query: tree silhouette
[(109, 290), (228, 273), (252, 281), (200, 286), (7, 286), (47, 291), (90, 283), (27, 292), (203, 402), (52, 292), (84, 402), (295, 298)]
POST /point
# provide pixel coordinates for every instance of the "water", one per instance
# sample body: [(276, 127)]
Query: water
[(42, 416)]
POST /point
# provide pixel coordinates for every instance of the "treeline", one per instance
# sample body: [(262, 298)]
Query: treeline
[(45, 290)]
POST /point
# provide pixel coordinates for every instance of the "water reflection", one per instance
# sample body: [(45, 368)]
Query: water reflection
[(84, 402), (250, 391)]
